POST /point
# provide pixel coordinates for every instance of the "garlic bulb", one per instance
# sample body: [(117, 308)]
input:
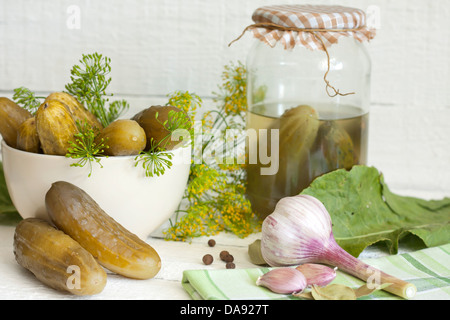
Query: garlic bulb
[(299, 231), (317, 274), (283, 280)]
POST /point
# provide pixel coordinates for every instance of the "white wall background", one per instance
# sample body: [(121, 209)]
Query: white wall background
[(159, 46)]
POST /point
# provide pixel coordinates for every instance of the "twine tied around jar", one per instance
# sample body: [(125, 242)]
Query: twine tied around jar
[(324, 23)]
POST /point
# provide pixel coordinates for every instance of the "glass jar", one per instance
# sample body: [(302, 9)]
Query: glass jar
[(289, 104)]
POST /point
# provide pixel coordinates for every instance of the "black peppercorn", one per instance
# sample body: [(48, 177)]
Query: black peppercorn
[(208, 259), (211, 242), (228, 258), (224, 254), (230, 265)]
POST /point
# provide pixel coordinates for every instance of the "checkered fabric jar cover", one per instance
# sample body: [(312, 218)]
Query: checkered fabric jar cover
[(331, 22)]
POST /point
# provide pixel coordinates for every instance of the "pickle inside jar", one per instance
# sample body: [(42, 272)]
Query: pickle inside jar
[(338, 142)]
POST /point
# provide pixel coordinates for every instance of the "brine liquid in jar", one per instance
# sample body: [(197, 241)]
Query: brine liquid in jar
[(312, 140)]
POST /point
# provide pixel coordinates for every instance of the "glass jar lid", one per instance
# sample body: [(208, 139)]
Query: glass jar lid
[(302, 24)]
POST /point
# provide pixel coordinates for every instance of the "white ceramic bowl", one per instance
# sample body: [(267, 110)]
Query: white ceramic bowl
[(141, 204)]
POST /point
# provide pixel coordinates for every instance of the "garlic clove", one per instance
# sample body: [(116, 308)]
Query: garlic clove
[(283, 280), (317, 274)]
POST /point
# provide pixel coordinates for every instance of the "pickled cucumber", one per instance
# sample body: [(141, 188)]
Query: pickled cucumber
[(298, 131), (11, 117), (153, 121), (72, 210), (78, 111), (55, 127), (123, 137), (337, 146), (27, 136), (56, 259)]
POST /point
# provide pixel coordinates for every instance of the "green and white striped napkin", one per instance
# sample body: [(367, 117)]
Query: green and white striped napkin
[(427, 269)]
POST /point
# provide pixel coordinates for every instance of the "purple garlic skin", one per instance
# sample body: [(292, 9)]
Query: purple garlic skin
[(296, 232), (283, 280), (317, 274)]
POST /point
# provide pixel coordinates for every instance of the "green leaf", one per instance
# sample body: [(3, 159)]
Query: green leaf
[(364, 211), (333, 292), (255, 254), (8, 213), (427, 219)]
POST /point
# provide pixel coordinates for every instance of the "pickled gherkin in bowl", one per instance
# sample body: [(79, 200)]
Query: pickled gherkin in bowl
[(78, 136), (115, 179)]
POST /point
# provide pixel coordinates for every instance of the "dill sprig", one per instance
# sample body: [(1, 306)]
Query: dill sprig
[(214, 199), (175, 120), (155, 161), (89, 83), (185, 101), (179, 125), (27, 99), (85, 147), (90, 79)]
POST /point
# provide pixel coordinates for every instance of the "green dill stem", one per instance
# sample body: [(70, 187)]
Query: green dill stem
[(100, 108), (224, 121)]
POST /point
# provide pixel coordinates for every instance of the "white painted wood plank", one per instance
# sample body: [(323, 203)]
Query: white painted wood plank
[(159, 46), (18, 283)]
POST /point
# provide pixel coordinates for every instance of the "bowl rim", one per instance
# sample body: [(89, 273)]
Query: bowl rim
[(106, 158)]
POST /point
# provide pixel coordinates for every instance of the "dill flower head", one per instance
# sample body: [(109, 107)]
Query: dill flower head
[(233, 90), (186, 101)]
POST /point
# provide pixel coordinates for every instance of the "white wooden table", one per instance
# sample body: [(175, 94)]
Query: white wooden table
[(19, 284)]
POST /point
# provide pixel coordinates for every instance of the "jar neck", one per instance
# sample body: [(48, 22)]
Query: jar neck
[(286, 78)]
